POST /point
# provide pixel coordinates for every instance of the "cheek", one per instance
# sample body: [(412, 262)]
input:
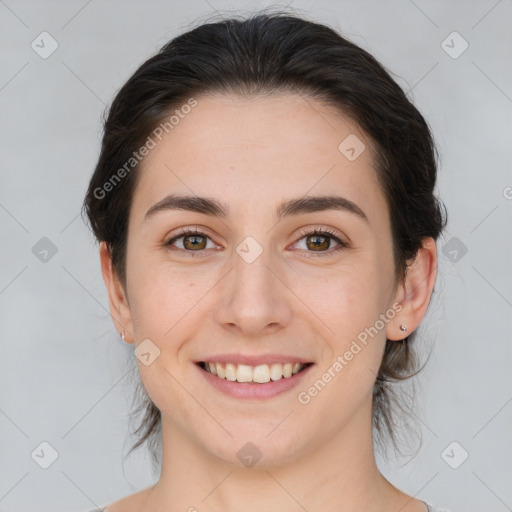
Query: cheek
[(350, 305), (348, 298), (164, 296), (349, 302)]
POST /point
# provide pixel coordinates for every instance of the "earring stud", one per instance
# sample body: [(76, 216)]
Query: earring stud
[(122, 335), (403, 328)]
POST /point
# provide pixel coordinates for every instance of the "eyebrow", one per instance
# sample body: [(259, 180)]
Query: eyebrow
[(213, 207)]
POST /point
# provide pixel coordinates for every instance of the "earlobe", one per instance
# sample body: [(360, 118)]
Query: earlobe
[(415, 291), (119, 307)]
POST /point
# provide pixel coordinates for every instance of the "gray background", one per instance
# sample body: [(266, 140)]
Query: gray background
[(63, 368)]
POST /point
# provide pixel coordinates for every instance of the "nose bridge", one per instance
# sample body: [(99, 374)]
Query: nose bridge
[(254, 299), (253, 278)]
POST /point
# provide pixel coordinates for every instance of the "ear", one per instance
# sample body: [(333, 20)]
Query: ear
[(119, 307), (415, 291)]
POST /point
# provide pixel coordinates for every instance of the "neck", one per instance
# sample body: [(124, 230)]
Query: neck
[(338, 474)]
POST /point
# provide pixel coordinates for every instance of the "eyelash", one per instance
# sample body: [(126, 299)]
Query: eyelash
[(326, 233), (322, 232)]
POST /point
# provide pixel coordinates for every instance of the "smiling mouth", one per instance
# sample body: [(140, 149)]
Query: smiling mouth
[(259, 374)]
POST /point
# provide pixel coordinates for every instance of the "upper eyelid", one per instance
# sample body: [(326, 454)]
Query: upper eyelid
[(320, 230)]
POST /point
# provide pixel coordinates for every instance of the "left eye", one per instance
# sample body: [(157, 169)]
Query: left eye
[(318, 241)]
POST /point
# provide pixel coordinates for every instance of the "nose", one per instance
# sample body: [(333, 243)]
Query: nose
[(254, 300)]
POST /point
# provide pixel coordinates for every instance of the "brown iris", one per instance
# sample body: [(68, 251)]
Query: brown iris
[(323, 243), (194, 244)]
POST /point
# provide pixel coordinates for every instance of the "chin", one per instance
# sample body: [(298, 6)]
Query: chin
[(255, 448)]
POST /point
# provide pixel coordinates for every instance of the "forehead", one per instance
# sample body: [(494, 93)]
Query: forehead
[(279, 121), (259, 149)]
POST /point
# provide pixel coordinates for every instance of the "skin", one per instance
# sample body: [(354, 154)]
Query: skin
[(252, 154)]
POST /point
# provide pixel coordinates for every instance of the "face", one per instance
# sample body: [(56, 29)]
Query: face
[(254, 288)]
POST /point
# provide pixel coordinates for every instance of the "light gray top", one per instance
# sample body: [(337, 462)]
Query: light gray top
[(430, 507)]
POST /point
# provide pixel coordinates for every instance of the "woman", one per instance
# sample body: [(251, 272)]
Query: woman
[(264, 202)]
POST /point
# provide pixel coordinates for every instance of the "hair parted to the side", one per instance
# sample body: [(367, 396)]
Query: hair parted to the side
[(266, 53)]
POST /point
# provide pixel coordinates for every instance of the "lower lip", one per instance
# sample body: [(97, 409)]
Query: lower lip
[(253, 390)]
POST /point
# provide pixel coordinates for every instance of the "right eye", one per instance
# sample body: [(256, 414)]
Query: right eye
[(193, 241)]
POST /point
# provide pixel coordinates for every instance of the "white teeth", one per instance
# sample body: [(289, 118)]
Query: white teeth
[(243, 373), (230, 372), (261, 374), (220, 370), (276, 371)]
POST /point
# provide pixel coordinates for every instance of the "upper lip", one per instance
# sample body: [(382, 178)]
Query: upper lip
[(254, 360)]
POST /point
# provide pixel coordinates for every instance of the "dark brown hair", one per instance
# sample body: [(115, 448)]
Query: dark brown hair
[(261, 54)]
